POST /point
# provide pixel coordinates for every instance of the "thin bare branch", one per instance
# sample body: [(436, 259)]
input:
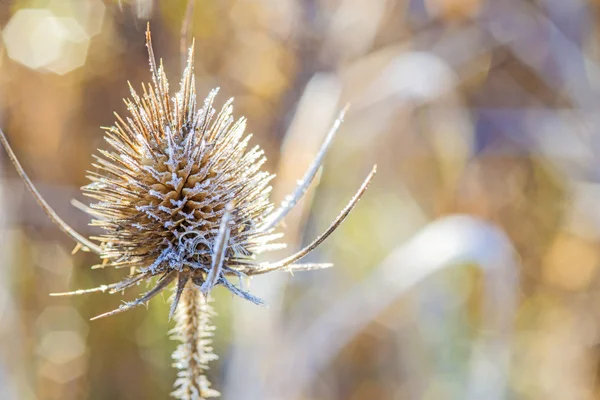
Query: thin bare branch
[(87, 245)]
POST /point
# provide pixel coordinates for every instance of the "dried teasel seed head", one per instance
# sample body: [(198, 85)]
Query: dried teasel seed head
[(182, 198)]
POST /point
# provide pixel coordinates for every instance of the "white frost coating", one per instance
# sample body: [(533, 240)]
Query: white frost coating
[(153, 216), (189, 216), (159, 176), (140, 227), (164, 209), (169, 224), (156, 194), (175, 181), (178, 203), (267, 247)]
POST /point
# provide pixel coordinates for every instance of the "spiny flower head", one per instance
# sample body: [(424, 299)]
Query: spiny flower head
[(180, 195), (182, 198)]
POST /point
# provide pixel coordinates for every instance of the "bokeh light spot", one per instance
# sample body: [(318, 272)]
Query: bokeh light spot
[(60, 347), (38, 39)]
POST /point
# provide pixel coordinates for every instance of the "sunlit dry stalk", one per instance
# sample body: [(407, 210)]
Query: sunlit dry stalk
[(181, 199), (194, 330)]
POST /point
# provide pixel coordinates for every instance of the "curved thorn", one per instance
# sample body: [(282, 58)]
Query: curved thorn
[(181, 282), (268, 267), (78, 247), (145, 298), (87, 245), (291, 200)]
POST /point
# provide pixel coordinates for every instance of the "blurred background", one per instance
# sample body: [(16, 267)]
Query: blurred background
[(469, 270)]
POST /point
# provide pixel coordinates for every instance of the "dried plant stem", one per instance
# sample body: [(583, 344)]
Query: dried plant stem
[(194, 330)]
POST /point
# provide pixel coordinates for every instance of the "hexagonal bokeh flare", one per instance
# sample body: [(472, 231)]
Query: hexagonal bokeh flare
[(38, 39)]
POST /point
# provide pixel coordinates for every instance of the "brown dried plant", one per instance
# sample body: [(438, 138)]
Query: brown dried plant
[(182, 199)]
